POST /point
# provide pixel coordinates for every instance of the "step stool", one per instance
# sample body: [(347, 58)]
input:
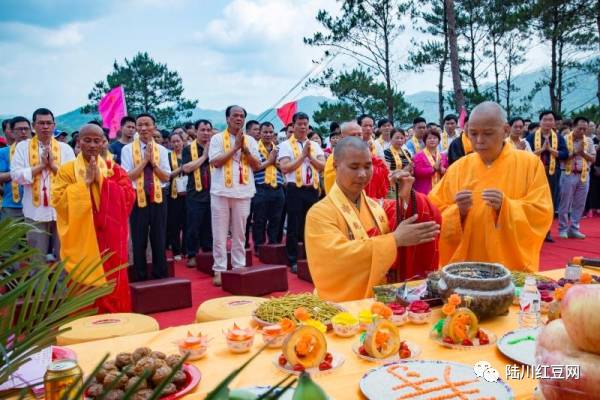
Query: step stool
[(256, 281), (273, 254), (204, 261), (303, 272), (160, 295)]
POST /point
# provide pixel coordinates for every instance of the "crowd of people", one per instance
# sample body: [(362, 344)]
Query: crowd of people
[(195, 188)]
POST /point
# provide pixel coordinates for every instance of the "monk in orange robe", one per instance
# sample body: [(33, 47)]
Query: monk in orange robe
[(378, 186), (495, 202), (93, 199), (349, 245)]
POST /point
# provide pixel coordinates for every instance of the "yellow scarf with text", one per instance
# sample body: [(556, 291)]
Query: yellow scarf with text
[(174, 166), (444, 140), (397, 158), (34, 160), (569, 164), (139, 187), (228, 167), (416, 144), (271, 170), (194, 155), (314, 173), (436, 176), (343, 205), (13, 185), (537, 144)]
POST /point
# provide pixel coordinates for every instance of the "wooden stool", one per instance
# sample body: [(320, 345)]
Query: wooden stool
[(303, 271), (255, 281), (273, 254), (150, 274), (106, 326), (205, 261), (227, 307), (161, 295)]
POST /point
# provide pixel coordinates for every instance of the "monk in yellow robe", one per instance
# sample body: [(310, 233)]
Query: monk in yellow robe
[(93, 198), (378, 185), (349, 245), (495, 202)]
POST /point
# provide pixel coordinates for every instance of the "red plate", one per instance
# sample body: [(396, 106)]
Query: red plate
[(192, 379)]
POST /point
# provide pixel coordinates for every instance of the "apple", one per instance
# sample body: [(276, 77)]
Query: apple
[(580, 311), (555, 347)]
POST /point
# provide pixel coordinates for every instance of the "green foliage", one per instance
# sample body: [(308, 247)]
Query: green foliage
[(591, 112), (41, 300), (367, 31), (149, 87), (358, 93)]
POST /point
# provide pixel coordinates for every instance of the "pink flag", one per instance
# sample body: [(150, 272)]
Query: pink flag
[(287, 111), (112, 108), (462, 117)]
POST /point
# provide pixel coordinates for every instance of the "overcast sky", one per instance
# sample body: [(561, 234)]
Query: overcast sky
[(248, 52)]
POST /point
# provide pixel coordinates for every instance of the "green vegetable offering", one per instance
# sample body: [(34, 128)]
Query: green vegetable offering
[(276, 309)]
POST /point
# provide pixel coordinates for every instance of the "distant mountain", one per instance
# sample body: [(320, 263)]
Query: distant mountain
[(426, 101)]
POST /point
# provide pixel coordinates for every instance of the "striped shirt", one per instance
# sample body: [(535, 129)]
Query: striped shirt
[(259, 176)]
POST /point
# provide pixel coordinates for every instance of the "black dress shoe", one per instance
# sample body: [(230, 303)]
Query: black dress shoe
[(549, 238)]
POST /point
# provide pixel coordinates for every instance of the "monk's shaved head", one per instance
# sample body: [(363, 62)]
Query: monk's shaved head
[(91, 129), (489, 108), (352, 142), (488, 128), (350, 128)]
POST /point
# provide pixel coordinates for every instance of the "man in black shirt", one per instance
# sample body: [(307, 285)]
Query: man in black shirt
[(196, 165), (126, 136)]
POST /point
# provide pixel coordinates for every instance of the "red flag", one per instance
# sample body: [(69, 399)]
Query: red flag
[(112, 108), (462, 117), (287, 111)]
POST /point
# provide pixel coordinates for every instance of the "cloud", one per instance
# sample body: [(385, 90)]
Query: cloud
[(35, 36), (53, 13)]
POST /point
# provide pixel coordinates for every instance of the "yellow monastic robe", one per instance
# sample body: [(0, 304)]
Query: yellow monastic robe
[(329, 174), (75, 221), (344, 268), (514, 235)]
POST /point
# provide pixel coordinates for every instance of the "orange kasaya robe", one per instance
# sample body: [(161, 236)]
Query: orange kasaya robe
[(349, 250), (378, 186), (512, 236), (415, 262), (92, 222)]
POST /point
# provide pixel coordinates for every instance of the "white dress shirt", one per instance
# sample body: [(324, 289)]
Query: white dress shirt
[(285, 151), (128, 164), (20, 172), (217, 175)]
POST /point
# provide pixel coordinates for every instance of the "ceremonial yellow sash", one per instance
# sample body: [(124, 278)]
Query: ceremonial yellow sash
[(508, 140), (416, 144), (174, 166), (466, 142), (569, 164), (343, 205), (296, 150), (139, 186), (444, 140), (373, 148), (436, 176), (194, 155), (13, 185), (34, 160), (271, 170), (81, 169), (537, 144), (228, 167), (397, 158)]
